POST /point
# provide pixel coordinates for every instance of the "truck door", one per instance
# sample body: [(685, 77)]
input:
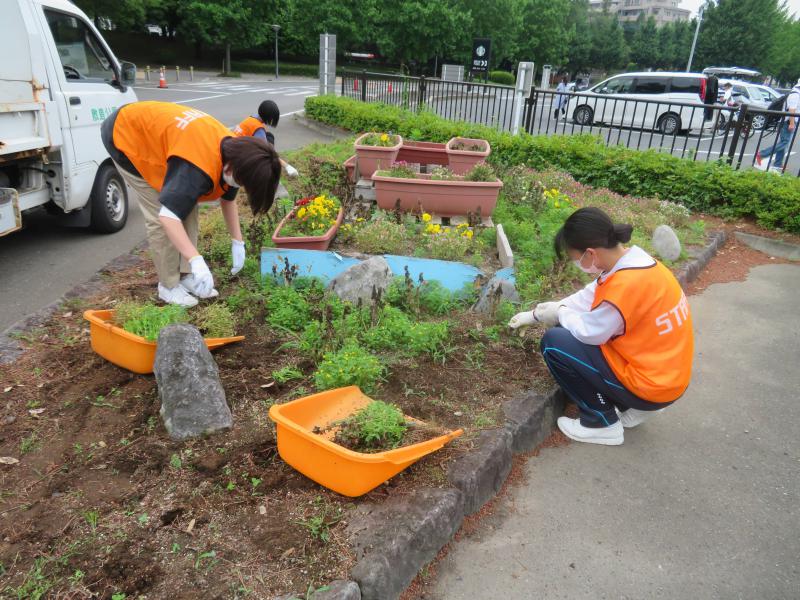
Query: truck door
[(89, 82)]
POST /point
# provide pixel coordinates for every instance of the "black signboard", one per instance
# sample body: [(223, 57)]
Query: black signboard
[(481, 54)]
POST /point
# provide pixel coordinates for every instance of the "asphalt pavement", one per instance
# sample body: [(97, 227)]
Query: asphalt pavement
[(45, 260), (700, 502)]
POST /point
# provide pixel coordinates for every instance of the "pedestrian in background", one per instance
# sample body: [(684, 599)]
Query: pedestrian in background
[(561, 99), (785, 134)]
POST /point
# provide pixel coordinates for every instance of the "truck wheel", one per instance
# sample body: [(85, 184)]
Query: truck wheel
[(109, 201)]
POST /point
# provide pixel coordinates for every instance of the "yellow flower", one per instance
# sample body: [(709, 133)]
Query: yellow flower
[(426, 217), (557, 204), (447, 230), (460, 225), (468, 234), (359, 219), (301, 213), (384, 137)]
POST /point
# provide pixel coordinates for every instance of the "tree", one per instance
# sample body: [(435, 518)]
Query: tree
[(227, 23), (545, 33), (609, 50), (580, 50), (124, 15), (499, 20), (644, 52), (784, 61)]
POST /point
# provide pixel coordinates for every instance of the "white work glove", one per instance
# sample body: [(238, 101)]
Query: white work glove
[(291, 171), (237, 256), (203, 280), (523, 319), (547, 313)]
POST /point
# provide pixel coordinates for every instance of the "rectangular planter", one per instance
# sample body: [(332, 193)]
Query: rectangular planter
[(127, 350), (337, 468), (461, 161), (311, 242), (444, 198), (350, 168), (423, 153), (372, 158)]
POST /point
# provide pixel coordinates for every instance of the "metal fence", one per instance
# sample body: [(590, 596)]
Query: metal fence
[(689, 130)]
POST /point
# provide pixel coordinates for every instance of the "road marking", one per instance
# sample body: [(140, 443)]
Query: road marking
[(304, 93), (199, 99)]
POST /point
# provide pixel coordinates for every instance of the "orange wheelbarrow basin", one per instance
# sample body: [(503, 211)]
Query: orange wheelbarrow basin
[(338, 468), (129, 351)]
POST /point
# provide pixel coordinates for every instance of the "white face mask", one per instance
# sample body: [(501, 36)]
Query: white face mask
[(593, 270), (229, 179)]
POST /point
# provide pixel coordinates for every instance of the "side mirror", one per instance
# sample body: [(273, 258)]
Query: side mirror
[(128, 73)]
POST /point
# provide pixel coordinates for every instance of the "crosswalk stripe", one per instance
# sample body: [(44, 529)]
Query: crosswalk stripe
[(303, 93)]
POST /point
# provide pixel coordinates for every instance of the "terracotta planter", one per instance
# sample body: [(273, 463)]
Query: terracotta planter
[(350, 167), (424, 153), (444, 198), (372, 158), (461, 161), (310, 242)]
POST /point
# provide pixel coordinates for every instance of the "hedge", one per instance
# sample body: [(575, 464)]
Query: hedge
[(502, 77), (712, 187), (268, 68)]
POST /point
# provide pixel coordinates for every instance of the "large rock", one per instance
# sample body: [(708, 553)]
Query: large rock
[(494, 292), (395, 539), (666, 243), (482, 471), (363, 281), (192, 398)]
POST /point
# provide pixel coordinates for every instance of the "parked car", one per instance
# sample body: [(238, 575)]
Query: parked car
[(753, 94), (614, 102)]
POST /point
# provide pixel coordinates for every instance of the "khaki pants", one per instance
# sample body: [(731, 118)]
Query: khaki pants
[(168, 261)]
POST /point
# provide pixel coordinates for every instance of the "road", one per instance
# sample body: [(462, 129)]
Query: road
[(700, 502), (45, 260)]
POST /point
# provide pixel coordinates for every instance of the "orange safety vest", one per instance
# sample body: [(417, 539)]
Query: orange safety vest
[(249, 127), (149, 133), (653, 356)]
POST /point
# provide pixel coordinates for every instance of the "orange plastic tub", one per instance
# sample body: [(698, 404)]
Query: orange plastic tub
[(127, 350), (329, 464)]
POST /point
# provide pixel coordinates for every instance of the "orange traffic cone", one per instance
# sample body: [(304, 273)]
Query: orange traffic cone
[(162, 81), (390, 87), (355, 85)]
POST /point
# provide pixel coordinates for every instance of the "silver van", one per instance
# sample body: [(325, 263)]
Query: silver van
[(617, 101)]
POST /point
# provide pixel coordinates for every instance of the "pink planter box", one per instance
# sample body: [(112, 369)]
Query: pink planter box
[(461, 161), (372, 158), (350, 167), (312, 242), (424, 153), (444, 198)]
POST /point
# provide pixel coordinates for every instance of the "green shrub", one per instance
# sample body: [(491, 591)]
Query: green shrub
[(481, 172), (352, 365), (215, 320), (287, 309), (268, 67), (377, 426), (286, 374), (147, 320), (380, 237), (713, 187), (502, 77)]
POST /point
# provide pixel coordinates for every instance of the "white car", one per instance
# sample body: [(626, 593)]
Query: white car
[(647, 100), (753, 94)]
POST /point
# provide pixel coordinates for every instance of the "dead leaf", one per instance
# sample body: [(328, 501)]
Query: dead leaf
[(288, 553), (67, 315), (191, 526), (268, 385), (262, 510), (101, 443), (8, 389), (8, 460), (35, 412)]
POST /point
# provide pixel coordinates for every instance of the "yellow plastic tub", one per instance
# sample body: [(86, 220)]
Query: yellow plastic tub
[(127, 350), (337, 468)]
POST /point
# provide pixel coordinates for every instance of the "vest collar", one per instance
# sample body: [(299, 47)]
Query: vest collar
[(634, 258)]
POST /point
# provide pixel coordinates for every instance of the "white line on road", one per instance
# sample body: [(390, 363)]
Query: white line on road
[(198, 99), (304, 93)]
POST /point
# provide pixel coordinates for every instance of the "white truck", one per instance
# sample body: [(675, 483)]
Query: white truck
[(58, 81)]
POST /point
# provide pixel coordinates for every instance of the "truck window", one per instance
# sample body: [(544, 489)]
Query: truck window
[(82, 55)]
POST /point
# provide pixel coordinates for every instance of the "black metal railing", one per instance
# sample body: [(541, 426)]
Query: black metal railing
[(690, 130)]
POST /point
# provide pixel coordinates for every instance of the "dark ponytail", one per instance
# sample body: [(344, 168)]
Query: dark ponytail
[(590, 228)]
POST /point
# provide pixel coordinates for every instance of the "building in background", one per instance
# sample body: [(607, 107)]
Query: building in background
[(663, 11)]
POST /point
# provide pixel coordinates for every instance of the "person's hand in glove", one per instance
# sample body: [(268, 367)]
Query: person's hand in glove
[(237, 256), (522, 320), (547, 313), (203, 280), (291, 171)]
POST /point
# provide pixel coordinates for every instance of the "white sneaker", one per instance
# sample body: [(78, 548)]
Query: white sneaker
[(633, 417), (760, 163), (613, 435), (187, 282), (776, 170), (177, 295)]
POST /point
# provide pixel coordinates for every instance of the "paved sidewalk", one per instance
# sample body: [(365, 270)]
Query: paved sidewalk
[(700, 502)]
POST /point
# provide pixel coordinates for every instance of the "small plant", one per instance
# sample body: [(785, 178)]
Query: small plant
[(383, 140), (29, 443), (287, 309), (313, 216), (481, 172), (377, 426), (147, 320), (91, 517), (477, 146), (175, 461), (210, 559), (215, 320), (441, 173), (352, 365), (401, 170), (449, 243), (381, 237), (285, 374)]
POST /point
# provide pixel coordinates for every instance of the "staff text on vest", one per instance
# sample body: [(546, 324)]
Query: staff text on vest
[(675, 317)]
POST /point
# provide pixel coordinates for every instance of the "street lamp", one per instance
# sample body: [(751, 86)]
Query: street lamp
[(276, 29), (696, 32)]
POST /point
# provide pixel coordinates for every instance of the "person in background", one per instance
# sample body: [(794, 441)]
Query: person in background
[(786, 131), (257, 126), (561, 99), (621, 348), (175, 157), (710, 98)]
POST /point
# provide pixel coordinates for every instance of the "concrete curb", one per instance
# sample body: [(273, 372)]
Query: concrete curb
[(321, 128), (690, 272), (11, 348), (769, 246)]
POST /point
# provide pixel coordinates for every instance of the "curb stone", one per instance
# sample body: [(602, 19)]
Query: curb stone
[(690, 272), (481, 472), (11, 348), (321, 128), (530, 417), (769, 246)]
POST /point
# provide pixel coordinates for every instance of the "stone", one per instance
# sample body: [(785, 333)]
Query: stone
[(495, 291), (666, 243), (395, 539), (192, 398), (531, 417), (504, 252), (481, 473), (339, 590), (363, 281)]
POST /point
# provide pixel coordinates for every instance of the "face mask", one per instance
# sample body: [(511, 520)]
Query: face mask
[(593, 270), (229, 179)]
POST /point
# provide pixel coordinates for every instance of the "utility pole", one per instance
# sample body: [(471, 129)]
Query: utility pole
[(696, 32), (276, 29)]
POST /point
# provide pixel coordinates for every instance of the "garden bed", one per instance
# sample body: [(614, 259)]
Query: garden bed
[(102, 502)]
